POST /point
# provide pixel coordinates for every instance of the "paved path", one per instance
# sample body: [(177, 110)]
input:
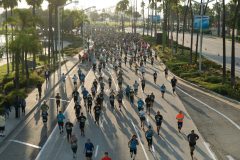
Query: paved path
[(117, 127)]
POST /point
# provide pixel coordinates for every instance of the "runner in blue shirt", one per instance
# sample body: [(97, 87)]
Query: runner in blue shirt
[(149, 135), (60, 119), (88, 149), (133, 146), (140, 103)]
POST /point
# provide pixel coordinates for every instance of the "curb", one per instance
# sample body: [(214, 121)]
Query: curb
[(24, 120), (202, 88)]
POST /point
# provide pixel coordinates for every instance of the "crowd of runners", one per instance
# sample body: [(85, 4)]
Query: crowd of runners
[(116, 49)]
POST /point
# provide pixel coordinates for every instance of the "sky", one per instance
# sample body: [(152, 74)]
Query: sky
[(88, 3)]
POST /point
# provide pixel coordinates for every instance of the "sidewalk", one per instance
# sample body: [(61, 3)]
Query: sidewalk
[(32, 99)]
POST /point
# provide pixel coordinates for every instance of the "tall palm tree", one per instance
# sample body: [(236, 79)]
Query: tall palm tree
[(143, 5), (184, 23), (234, 23), (149, 3), (122, 6), (224, 40), (152, 8), (34, 4)]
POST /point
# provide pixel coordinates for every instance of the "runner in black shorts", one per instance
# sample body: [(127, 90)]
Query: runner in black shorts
[(89, 147), (192, 138), (158, 119), (82, 119), (133, 146)]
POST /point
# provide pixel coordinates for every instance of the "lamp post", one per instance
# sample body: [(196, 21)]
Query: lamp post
[(59, 33), (201, 32)]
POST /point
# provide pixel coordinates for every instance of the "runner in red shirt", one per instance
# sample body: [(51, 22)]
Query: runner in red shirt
[(106, 157)]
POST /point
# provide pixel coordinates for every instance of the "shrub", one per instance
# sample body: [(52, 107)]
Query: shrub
[(213, 79), (35, 78), (12, 95), (8, 87), (43, 58)]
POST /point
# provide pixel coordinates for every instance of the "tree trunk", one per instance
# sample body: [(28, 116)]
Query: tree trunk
[(17, 58), (13, 59), (34, 54), (224, 41), (27, 72), (184, 25), (155, 27), (233, 43), (192, 30), (177, 31), (22, 62), (56, 29), (143, 22), (6, 39), (148, 20), (152, 22)]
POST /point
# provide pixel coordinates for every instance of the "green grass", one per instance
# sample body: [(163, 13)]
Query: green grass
[(210, 78)]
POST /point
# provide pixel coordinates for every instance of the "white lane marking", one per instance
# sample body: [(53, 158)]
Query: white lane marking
[(61, 100), (154, 153), (230, 157), (223, 115), (96, 152), (55, 128), (27, 144), (207, 145), (144, 151)]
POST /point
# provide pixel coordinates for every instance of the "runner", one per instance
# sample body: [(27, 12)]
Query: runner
[(106, 157), (140, 104), (135, 87), (45, 118), (88, 149), (158, 119), (143, 82), (60, 119), (82, 78), (192, 139), (63, 78), (75, 95), (77, 108), (163, 90), (174, 83), (75, 78), (148, 104), (132, 144), (155, 77), (180, 117), (89, 99), (149, 135), (131, 96), (111, 99), (82, 119), (58, 98), (39, 87), (97, 112), (85, 95), (152, 99), (166, 72), (120, 97), (74, 145), (110, 82), (69, 126), (142, 118), (44, 106)]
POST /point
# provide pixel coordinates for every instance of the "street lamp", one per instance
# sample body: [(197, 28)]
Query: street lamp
[(201, 30), (59, 42)]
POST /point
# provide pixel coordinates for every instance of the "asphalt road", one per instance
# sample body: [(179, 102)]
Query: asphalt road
[(117, 127), (33, 131)]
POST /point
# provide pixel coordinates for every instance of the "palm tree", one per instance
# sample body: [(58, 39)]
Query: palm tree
[(34, 4), (149, 2), (122, 6), (152, 6), (184, 23), (224, 39), (234, 23), (142, 5)]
